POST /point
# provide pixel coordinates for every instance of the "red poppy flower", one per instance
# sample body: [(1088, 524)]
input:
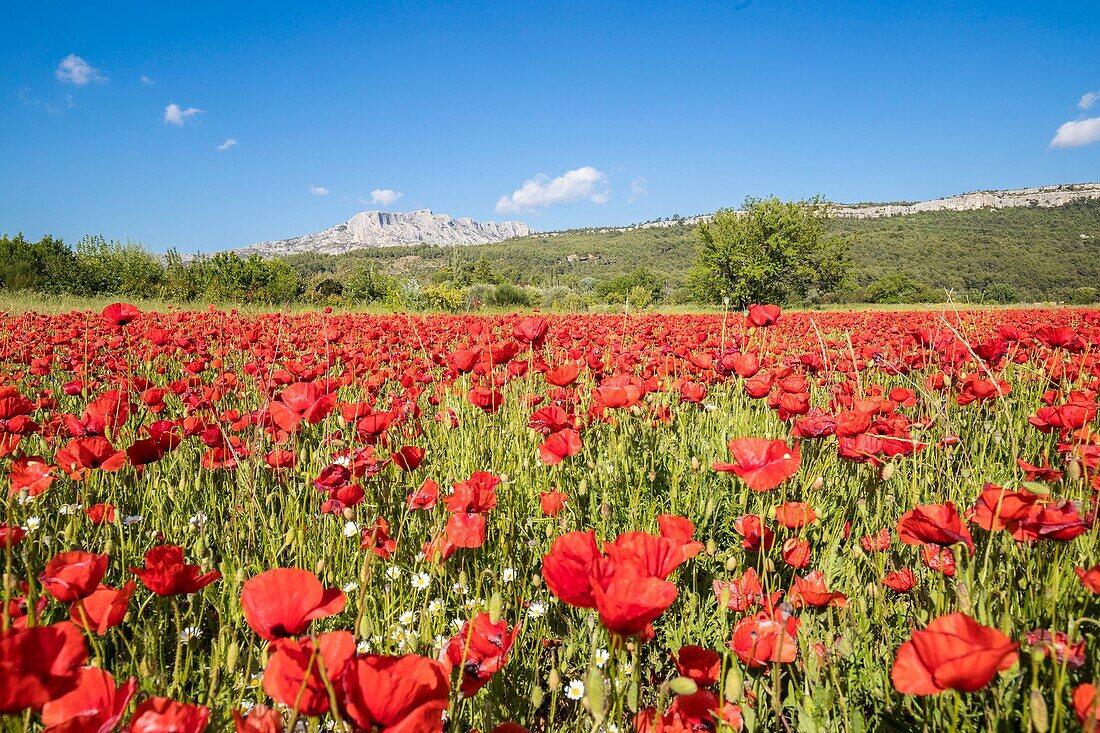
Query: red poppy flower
[(466, 529), (744, 592), (552, 502), (81, 456), (376, 538), (39, 664), (696, 663), (408, 458), (394, 694), (954, 652), (282, 602), (763, 316), (877, 542), (119, 314), (795, 514), (425, 497), (104, 609), (96, 705), (761, 463), (567, 566), (531, 330), (260, 719), (756, 535), (70, 576), (559, 446), (563, 375), (301, 401), (796, 552), (161, 715), (1089, 578), (810, 591), (900, 581), (480, 650), (166, 574), (10, 536), (936, 524), (30, 474), (294, 676), (1086, 705), (760, 640), (627, 598), (940, 559)]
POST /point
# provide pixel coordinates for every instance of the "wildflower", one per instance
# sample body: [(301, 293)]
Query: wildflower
[(574, 690), (420, 581)]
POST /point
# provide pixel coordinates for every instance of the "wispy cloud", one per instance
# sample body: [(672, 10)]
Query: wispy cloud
[(1075, 133), (383, 196), (1089, 100), (584, 183), (28, 97), (319, 191), (147, 80), (638, 188), (75, 70), (229, 143), (178, 116)]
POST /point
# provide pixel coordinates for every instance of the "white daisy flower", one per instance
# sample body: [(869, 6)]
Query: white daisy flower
[(574, 690)]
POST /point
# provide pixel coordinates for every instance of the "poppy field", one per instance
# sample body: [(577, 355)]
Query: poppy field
[(759, 521)]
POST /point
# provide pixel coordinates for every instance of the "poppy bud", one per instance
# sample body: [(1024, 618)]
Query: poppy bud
[(712, 547), (553, 681), (695, 464), (605, 510), (731, 563), (683, 686), (1037, 709), (319, 569), (734, 686), (364, 627), (200, 546), (536, 696), (231, 657), (1073, 470), (595, 693), (818, 483), (887, 471), (769, 566), (348, 512), (495, 602), (963, 593)]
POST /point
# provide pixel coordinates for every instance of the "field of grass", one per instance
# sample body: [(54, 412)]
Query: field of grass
[(784, 517)]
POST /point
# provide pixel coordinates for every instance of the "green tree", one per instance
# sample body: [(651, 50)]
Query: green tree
[(772, 252)]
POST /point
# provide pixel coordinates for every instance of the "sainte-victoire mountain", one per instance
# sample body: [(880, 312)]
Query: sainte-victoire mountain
[(390, 229)]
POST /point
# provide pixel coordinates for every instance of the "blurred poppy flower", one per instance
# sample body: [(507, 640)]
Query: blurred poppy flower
[(260, 719), (552, 502), (559, 446), (70, 576), (701, 665), (480, 650), (936, 524), (282, 602), (294, 675), (166, 574), (95, 705), (761, 463), (104, 608), (162, 715), (395, 694)]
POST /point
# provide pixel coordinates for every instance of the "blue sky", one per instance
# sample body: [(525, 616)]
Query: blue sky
[(557, 114)]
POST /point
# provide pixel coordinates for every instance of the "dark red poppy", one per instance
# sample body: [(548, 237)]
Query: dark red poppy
[(376, 538), (394, 694), (408, 458), (900, 581), (761, 463), (282, 602), (162, 715), (95, 705), (1089, 578), (480, 650), (954, 652), (166, 574), (81, 456), (70, 576), (10, 536), (696, 663)]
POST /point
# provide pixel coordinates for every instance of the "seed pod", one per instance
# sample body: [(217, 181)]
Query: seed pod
[(231, 656), (1073, 470), (734, 686), (712, 547), (595, 693), (1037, 709), (731, 563), (495, 603), (695, 464), (553, 681), (536, 696), (683, 686), (319, 568)]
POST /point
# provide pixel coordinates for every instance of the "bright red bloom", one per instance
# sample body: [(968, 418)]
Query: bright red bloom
[(761, 463), (567, 566), (104, 609), (531, 330), (761, 639), (559, 446), (480, 649), (795, 514), (70, 576), (700, 711), (119, 314), (552, 502), (476, 494), (696, 663), (408, 458), (81, 456), (810, 591), (166, 574), (425, 497), (627, 598), (376, 538), (936, 524), (796, 552), (900, 581), (1086, 705), (282, 602), (763, 316), (756, 535), (294, 672), (954, 652), (1089, 578), (260, 719), (744, 592), (466, 529), (39, 664), (96, 705), (301, 401), (394, 694), (30, 474), (161, 715), (10, 536)]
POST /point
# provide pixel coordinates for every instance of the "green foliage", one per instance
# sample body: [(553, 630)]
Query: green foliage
[(114, 267), (368, 284), (897, 289), (772, 252), (1084, 296), (47, 265), (641, 286), (443, 298)]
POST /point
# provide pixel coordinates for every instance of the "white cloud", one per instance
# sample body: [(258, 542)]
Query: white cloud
[(542, 191), (177, 115), (229, 143), (28, 97), (318, 190), (638, 188), (1089, 99), (75, 70), (384, 196), (1076, 133), (147, 80)]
